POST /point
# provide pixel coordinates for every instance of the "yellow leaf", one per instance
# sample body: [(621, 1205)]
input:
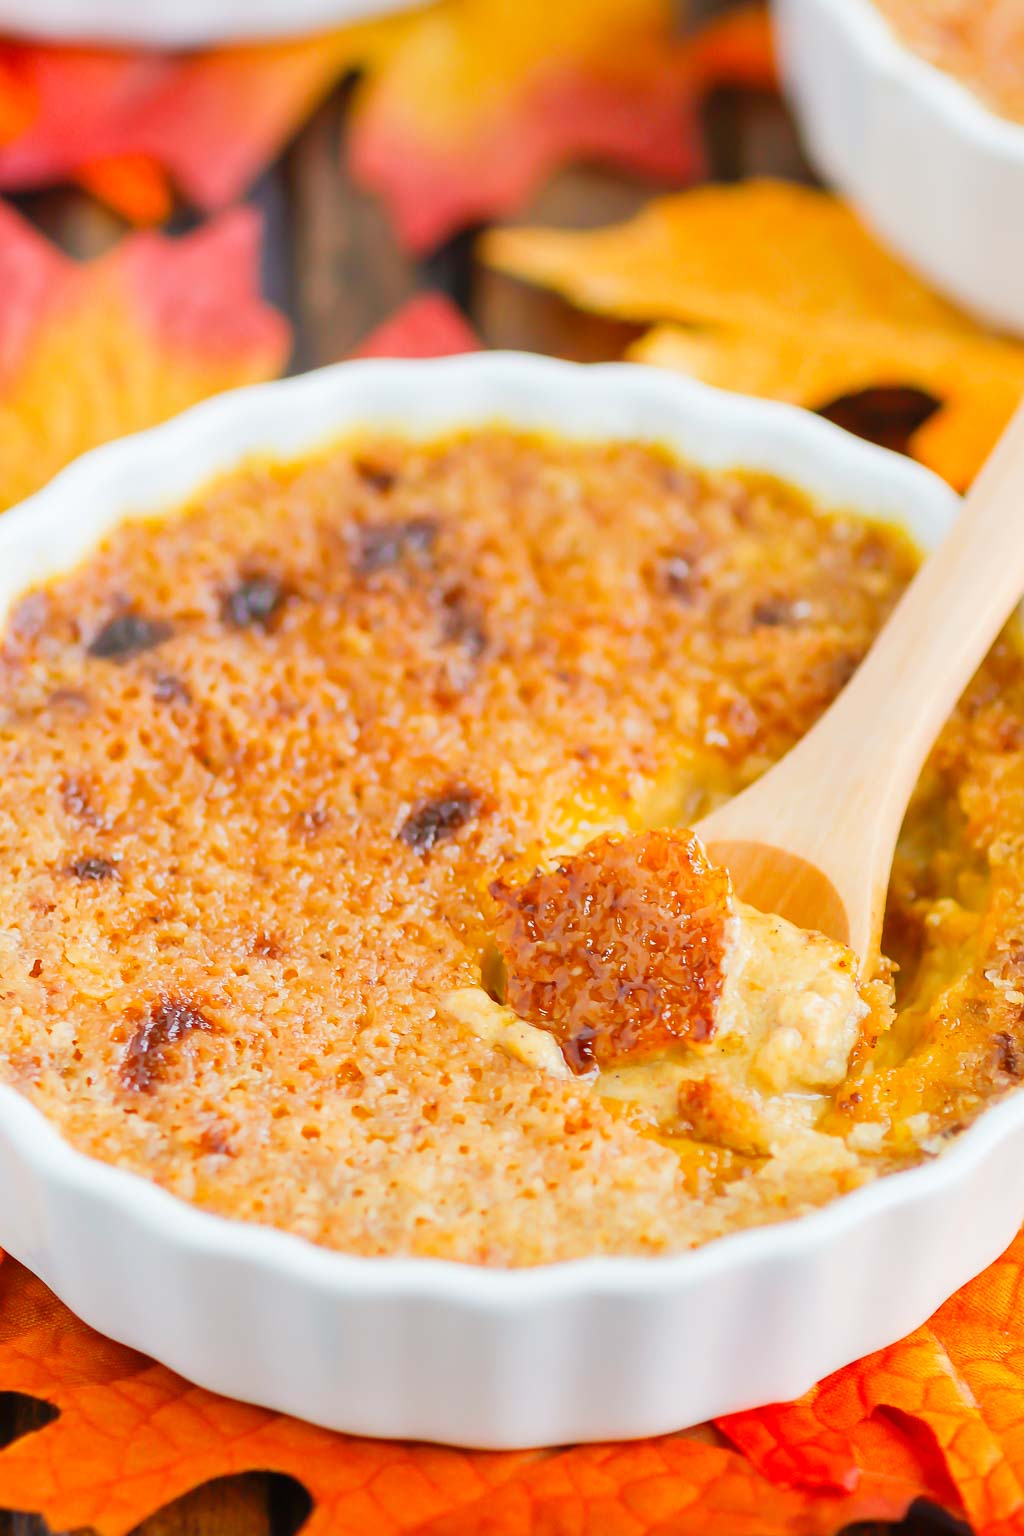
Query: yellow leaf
[(90, 352), (976, 379), (785, 294)]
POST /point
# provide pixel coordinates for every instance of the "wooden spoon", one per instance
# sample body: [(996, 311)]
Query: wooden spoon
[(814, 838)]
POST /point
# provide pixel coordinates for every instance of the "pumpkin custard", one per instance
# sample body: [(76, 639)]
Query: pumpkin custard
[(981, 42), (346, 879)]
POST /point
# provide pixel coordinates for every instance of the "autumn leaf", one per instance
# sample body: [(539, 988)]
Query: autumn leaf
[(126, 123), (464, 107), (428, 325), (480, 101), (778, 290), (976, 379), (131, 1436), (958, 1383), (92, 351), (132, 185)]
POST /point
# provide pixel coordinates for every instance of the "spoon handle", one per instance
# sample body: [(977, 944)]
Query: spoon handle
[(839, 797), (937, 636)]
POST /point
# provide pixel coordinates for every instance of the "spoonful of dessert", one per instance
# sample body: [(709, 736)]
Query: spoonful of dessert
[(813, 840)]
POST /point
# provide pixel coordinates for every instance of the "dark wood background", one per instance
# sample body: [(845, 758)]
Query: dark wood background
[(332, 264)]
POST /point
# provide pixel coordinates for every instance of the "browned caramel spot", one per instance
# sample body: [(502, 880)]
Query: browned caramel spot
[(215, 1142), (254, 603), (618, 951), (309, 822), (679, 576), (72, 699), (462, 623), (775, 612), (168, 689), (92, 868), (1007, 1054), (377, 476), (145, 1057), (127, 635), (380, 545), (75, 799), (431, 821)]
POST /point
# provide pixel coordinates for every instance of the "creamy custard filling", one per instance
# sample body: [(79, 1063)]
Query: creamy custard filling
[(756, 1080)]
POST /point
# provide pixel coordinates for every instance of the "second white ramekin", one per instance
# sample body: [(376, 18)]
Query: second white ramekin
[(938, 175), (594, 1349), (184, 23)]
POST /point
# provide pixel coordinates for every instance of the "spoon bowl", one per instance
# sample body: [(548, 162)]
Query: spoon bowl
[(776, 880)]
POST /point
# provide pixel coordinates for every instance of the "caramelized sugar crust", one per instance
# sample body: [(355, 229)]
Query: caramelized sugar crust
[(980, 41), (618, 951), (261, 762)]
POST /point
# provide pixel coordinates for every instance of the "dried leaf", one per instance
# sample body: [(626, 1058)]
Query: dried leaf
[(209, 121), (89, 352), (465, 108), (481, 100), (225, 115), (976, 380), (429, 325), (131, 1436), (740, 255), (794, 300), (17, 100), (958, 1383)]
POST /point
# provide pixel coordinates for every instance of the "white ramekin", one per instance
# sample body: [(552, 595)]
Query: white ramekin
[(938, 175), (587, 1350), (184, 23)]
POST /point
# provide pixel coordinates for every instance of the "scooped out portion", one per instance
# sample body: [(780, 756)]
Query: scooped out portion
[(707, 1017)]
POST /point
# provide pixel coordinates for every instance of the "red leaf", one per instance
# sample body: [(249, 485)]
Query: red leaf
[(428, 325), (957, 1389), (211, 121), (481, 101), (90, 351)]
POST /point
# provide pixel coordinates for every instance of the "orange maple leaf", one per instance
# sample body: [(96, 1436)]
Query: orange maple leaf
[(463, 110), (131, 1436), (92, 351), (959, 1380), (480, 101), (779, 290)]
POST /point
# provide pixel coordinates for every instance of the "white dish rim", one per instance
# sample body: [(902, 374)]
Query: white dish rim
[(941, 91)]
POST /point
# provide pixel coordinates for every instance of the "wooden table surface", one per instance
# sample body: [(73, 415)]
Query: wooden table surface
[(332, 264)]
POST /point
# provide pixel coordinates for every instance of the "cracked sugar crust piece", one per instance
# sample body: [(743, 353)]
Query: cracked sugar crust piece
[(246, 864), (620, 951)]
